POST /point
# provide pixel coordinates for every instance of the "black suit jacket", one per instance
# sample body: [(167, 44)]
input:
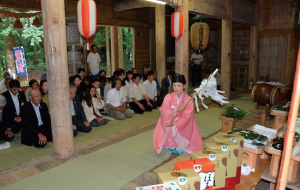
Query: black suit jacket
[(78, 109), (31, 129), (9, 111), (164, 87)]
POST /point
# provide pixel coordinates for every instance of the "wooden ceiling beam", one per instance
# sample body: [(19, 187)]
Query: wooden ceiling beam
[(132, 4), (216, 9), (21, 4)]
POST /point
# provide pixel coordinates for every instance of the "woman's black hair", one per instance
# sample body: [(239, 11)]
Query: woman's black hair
[(127, 73), (178, 78), (32, 81), (41, 87)]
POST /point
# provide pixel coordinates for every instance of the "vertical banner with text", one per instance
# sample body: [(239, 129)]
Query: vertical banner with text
[(20, 61)]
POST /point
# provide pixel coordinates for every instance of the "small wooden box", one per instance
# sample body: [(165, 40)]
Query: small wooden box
[(263, 78), (227, 123)]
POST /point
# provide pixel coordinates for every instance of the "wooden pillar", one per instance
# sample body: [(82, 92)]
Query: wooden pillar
[(253, 62), (84, 55), (120, 47), (108, 73), (160, 30), (114, 48), (152, 49), (289, 71), (182, 45), (226, 51), (134, 43), (58, 77)]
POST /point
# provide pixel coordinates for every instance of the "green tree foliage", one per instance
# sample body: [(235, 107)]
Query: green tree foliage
[(100, 42), (26, 37)]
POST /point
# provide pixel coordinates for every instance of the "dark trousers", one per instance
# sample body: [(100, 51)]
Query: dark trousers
[(15, 128), (80, 125), (154, 104), (47, 133), (137, 109)]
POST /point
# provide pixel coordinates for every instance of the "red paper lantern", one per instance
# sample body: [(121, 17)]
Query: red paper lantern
[(87, 17), (177, 24)]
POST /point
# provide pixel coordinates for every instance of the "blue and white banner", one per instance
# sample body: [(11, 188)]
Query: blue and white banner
[(20, 61)]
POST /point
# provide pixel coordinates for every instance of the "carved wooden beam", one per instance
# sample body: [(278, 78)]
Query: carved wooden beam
[(21, 4)]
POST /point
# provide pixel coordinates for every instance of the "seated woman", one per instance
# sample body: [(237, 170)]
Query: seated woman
[(181, 135), (44, 92), (33, 84), (91, 107), (128, 79)]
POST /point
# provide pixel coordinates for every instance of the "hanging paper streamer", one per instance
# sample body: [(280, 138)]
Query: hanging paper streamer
[(208, 88), (20, 61)]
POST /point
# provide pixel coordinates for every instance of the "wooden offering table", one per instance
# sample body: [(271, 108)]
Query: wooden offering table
[(280, 119), (272, 172), (251, 181)]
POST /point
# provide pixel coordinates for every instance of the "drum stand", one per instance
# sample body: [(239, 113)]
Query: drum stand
[(264, 111)]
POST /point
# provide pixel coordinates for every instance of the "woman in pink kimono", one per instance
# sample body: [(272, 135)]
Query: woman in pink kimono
[(182, 135)]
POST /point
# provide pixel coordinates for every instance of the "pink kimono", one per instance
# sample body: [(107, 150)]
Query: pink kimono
[(184, 134)]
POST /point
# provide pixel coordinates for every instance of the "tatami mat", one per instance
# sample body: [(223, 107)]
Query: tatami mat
[(106, 169), (19, 153), (113, 166)]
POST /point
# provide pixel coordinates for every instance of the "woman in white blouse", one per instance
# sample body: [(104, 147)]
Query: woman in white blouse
[(91, 106), (128, 79)]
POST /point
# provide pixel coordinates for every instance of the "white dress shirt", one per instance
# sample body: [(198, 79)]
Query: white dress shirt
[(150, 88), (72, 108), (137, 92), (115, 97), (38, 114), (16, 102), (2, 86)]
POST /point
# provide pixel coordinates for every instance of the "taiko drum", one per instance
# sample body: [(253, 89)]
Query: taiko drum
[(265, 94)]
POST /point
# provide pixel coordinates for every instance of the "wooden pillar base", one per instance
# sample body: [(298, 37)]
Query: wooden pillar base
[(279, 120), (293, 168)]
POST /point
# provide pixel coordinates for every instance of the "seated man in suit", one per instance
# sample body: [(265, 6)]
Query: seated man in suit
[(79, 120), (11, 113), (36, 121), (136, 94)]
